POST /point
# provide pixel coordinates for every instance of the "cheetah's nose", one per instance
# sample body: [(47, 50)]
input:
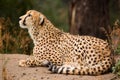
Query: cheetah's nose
[(19, 19)]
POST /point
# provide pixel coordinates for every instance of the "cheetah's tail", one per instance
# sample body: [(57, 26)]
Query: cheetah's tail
[(83, 70)]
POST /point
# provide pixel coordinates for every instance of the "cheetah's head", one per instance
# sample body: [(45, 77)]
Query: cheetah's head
[(31, 18)]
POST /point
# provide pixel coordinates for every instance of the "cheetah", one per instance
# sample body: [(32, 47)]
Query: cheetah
[(63, 52)]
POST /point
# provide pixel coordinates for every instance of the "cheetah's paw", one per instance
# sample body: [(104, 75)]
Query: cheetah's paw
[(22, 63)]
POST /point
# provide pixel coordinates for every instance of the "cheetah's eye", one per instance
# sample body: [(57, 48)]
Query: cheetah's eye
[(29, 15)]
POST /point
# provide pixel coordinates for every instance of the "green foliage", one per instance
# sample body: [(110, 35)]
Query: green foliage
[(116, 68)]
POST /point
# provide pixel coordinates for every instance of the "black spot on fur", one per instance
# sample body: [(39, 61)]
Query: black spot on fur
[(79, 73)]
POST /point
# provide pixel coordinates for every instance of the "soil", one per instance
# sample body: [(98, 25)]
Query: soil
[(9, 70)]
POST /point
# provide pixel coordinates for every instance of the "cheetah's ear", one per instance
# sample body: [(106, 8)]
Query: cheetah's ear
[(41, 20)]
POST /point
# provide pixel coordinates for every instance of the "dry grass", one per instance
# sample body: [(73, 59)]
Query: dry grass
[(4, 71), (115, 35), (115, 44), (13, 39), (5, 75)]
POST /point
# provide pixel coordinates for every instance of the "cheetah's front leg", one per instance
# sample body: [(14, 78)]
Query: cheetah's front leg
[(32, 61)]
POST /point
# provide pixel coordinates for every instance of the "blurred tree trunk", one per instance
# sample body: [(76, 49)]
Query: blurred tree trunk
[(89, 17)]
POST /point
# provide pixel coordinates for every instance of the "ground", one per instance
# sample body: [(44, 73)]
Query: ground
[(9, 70)]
